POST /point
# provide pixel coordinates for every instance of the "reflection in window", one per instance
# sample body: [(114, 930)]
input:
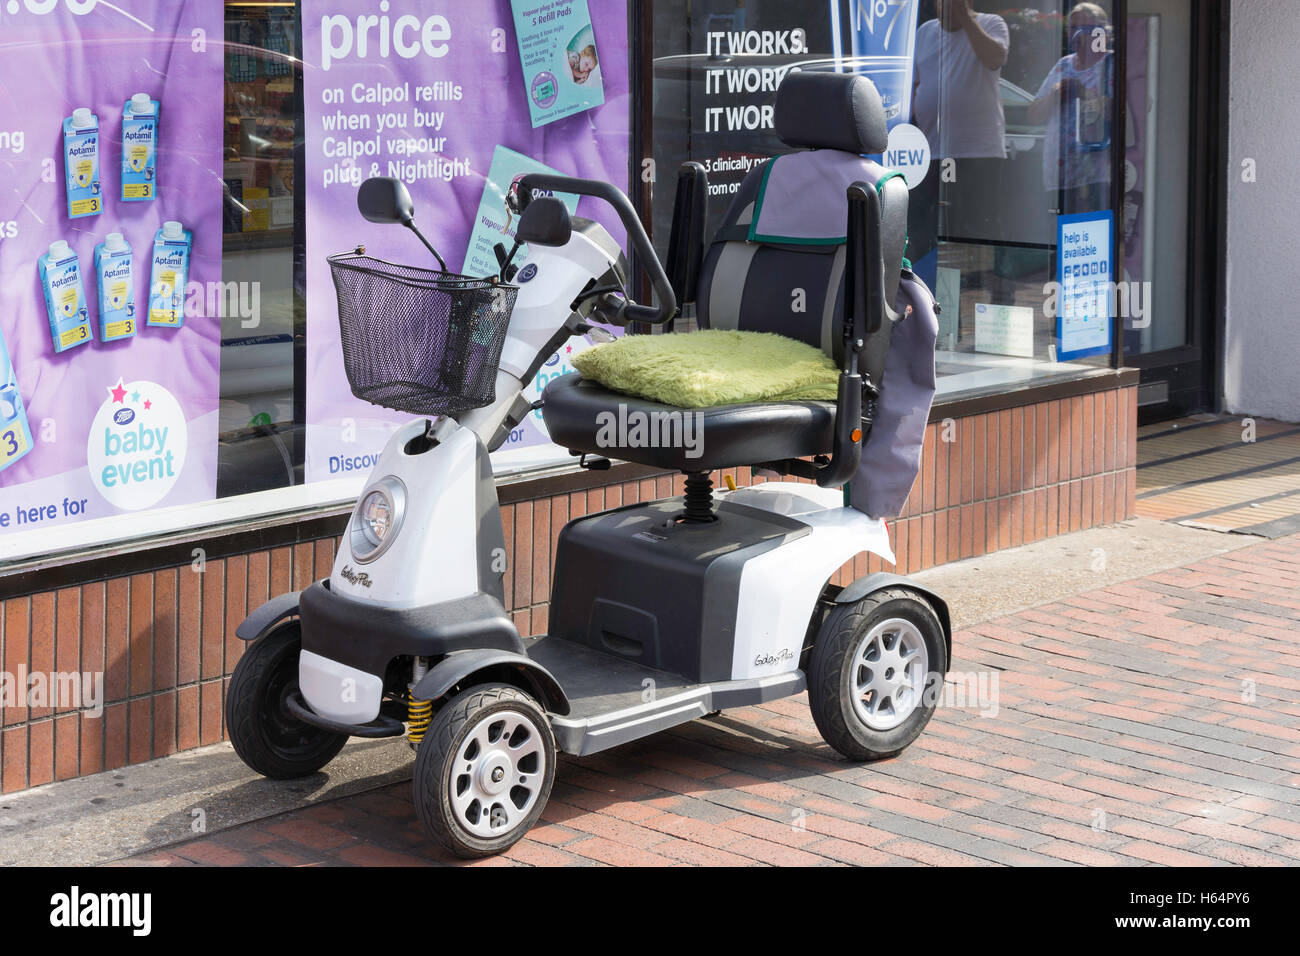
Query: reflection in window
[(260, 433), (983, 224)]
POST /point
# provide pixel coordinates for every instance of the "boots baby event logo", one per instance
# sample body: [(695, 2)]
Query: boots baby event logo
[(136, 447)]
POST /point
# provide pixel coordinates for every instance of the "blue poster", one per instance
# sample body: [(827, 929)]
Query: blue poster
[(1085, 244), (497, 220), (561, 61), (882, 35)]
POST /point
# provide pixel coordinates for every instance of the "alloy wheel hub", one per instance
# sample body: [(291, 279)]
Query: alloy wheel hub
[(497, 774), (890, 666)]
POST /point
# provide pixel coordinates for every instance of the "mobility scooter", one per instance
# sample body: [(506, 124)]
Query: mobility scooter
[(661, 612)]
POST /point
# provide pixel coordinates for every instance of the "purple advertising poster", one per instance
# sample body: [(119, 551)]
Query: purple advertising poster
[(429, 94), (110, 127)]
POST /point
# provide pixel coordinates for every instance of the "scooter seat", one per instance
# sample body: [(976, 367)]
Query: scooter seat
[(584, 416)]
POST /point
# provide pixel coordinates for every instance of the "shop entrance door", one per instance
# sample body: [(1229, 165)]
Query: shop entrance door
[(1168, 220)]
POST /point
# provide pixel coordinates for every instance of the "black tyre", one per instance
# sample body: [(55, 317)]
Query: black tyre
[(484, 770), (874, 673), (266, 736)]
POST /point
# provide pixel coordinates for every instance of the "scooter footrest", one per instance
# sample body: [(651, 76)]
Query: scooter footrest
[(381, 726)]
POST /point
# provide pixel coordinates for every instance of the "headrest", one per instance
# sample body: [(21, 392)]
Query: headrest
[(831, 111)]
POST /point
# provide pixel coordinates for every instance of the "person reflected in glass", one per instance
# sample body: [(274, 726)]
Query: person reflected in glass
[(1074, 102), (956, 102)]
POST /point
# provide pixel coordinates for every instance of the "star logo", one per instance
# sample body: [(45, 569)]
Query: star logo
[(118, 392), (147, 404)]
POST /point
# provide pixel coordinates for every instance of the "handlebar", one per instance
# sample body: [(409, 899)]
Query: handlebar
[(663, 290)]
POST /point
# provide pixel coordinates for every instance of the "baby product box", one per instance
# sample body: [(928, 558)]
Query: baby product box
[(557, 48), (65, 296), (140, 149), (116, 281), (81, 164), (169, 275), (497, 218), (15, 432)]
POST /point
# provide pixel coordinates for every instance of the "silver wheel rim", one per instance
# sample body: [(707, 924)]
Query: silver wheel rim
[(888, 678), (497, 775)]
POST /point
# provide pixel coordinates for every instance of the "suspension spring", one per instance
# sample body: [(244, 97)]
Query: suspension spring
[(419, 714)]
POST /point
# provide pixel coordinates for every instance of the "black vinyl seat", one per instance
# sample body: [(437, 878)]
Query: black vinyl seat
[(584, 416)]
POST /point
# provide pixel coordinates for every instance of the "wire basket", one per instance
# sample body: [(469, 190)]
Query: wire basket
[(419, 340)]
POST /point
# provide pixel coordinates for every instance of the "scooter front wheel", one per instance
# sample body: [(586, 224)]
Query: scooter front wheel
[(484, 770), (264, 733)]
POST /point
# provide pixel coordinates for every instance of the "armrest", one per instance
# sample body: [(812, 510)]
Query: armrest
[(686, 240), (865, 317)]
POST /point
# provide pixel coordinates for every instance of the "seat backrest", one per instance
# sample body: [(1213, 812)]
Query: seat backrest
[(776, 264)]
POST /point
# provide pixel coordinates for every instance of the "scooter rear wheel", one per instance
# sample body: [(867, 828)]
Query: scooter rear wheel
[(872, 672), (265, 735), (484, 770)]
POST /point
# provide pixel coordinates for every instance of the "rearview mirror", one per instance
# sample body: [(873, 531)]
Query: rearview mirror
[(385, 200), (546, 222)]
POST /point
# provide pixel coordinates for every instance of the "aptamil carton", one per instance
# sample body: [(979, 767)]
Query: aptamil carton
[(169, 275), (81, 164), (65, 296), (140, 149), (116, 281), (15, 432)]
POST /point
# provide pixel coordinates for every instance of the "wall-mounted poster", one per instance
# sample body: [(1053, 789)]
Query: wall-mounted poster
[(557, 48), (443, 105), (110, 258), (1085, 244)]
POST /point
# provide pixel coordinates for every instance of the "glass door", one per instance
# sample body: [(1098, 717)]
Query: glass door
[(1168, 265)]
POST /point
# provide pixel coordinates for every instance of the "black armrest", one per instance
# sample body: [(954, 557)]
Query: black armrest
[(686, 240), (866, 317)]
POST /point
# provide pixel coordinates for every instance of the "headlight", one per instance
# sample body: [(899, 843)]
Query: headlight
[(377, 518)]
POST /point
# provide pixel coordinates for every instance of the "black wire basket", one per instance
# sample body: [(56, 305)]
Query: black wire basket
[(419, 340)]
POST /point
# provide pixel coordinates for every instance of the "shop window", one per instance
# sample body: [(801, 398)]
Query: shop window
[(210, 154), (260, 431), (1015, 112)]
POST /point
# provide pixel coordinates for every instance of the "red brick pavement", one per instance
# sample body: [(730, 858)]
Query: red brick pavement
[(1154, 721)]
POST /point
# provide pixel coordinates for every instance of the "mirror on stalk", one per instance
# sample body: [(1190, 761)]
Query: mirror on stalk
[(546, 222), (385, 200)]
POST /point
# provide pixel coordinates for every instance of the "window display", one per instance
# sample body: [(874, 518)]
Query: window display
[(1000, 121), (172, 234), (174, 220)]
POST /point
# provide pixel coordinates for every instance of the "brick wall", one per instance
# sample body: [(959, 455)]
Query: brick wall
[(165, 640)]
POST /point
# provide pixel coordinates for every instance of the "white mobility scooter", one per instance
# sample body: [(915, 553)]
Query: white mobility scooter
[(661, 612)]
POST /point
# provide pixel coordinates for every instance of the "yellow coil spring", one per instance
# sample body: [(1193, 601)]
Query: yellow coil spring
[(419, 714)]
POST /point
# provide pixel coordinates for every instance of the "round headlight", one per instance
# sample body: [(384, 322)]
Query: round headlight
[(378, 518)]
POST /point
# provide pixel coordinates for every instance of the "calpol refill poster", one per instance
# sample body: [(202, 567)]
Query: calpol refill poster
[(435, 94), (110, 233)]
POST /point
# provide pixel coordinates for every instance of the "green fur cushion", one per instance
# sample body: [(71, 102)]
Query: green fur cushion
[(711, 367)]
